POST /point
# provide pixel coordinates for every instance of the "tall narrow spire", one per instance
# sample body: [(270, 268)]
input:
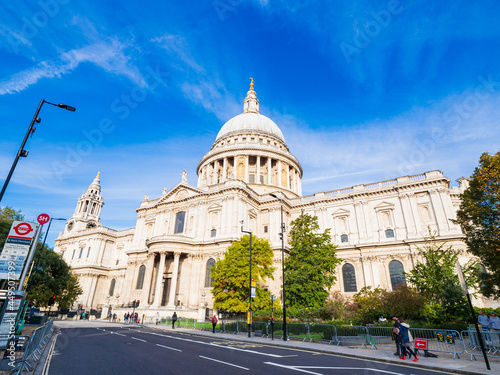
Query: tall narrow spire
[(251, 103)]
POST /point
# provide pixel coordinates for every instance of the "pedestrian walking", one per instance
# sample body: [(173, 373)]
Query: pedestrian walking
[(125, 317), (395, 329), (406, 340), (110, 317), (214, 323), (174, 319), (157, 318), (115, 317)]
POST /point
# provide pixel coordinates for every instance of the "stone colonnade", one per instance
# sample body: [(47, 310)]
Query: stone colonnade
[(153, 279), (251, 169)]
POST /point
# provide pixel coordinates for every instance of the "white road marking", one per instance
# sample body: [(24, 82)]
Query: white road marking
[(226, 363), (303, 368), (168, 347), (116, 333), (219, 346), (135, 338)]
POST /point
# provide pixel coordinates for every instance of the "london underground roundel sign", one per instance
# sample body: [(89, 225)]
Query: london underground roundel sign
[(22, 229), (43, 219)]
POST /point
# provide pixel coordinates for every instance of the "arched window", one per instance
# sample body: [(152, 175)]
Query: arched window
[(208, 273), (389, 233), (349, 276), (112, 287), (344, 238), (179, 222), (213, 233), (396, 271), (140, 277)]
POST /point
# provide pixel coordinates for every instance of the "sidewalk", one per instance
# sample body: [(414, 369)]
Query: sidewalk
[(444, 362)]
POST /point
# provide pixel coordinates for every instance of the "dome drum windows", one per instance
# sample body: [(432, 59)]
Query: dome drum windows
[(179, 222)]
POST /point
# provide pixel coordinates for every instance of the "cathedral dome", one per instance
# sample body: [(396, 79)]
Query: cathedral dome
[(251, 121)]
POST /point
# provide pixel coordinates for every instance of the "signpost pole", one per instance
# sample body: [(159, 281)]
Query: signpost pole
[(30, 256), (465, 291)]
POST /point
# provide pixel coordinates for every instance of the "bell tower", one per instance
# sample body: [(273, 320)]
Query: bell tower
[(88, 209)]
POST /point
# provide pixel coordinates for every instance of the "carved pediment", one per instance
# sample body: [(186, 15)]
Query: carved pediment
[(384, 206), (180, 192), (341, 212), (214, 207)]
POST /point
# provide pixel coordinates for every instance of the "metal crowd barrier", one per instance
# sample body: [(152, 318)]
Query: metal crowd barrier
[(381, 336), (34, 349), (441, 340), (298, 331), (352, 335), (491, 342), (322, 332)]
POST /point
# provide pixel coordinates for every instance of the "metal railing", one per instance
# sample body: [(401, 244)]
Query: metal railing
[(351, 335), (441, 340), (34, 349), (491, 342)]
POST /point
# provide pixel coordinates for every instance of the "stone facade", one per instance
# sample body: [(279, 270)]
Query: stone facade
[(164, 262)]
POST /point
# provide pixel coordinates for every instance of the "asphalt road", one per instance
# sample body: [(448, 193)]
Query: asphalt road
[(136, 350)]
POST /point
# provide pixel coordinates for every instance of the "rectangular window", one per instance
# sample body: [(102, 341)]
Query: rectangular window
[(265, 229), (389, 233), (344, 238), (81, 252), (73, 256), (88, 253), (179, 222), (261, 179), (251, 178), (213, 233)]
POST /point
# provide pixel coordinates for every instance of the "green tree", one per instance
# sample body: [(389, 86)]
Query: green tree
[(7, 216), (479, 217), (436, 280), (310, 266), (370, 304), (231, 275), (53, 277)]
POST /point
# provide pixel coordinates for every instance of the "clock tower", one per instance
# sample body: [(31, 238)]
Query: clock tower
[(88, 209)]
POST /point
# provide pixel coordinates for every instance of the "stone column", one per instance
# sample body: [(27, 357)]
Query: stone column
[(148, 278), (279, 173), (173, 287), (288, 185), (257, 178), (269, 181), (224, 170), (247, 168), (159, 279)]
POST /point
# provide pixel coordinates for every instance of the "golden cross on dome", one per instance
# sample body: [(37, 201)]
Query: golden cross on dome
[(251, 83)]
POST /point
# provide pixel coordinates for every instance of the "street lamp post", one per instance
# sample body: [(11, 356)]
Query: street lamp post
[(249, 318), (22, 153), (282, 235)]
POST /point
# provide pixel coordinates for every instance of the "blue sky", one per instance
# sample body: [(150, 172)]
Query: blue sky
[(363, 91)]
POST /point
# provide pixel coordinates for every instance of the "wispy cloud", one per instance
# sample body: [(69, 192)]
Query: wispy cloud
[(109, 55), (201, 89)]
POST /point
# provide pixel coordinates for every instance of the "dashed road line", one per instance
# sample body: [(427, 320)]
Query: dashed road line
[(226, 363), (135, 338), (168, 347)]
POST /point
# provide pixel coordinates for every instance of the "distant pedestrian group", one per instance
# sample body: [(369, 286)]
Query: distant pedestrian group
[(486, 323)]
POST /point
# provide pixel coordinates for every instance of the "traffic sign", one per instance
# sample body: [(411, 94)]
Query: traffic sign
[(43, 219), (421, 344)]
